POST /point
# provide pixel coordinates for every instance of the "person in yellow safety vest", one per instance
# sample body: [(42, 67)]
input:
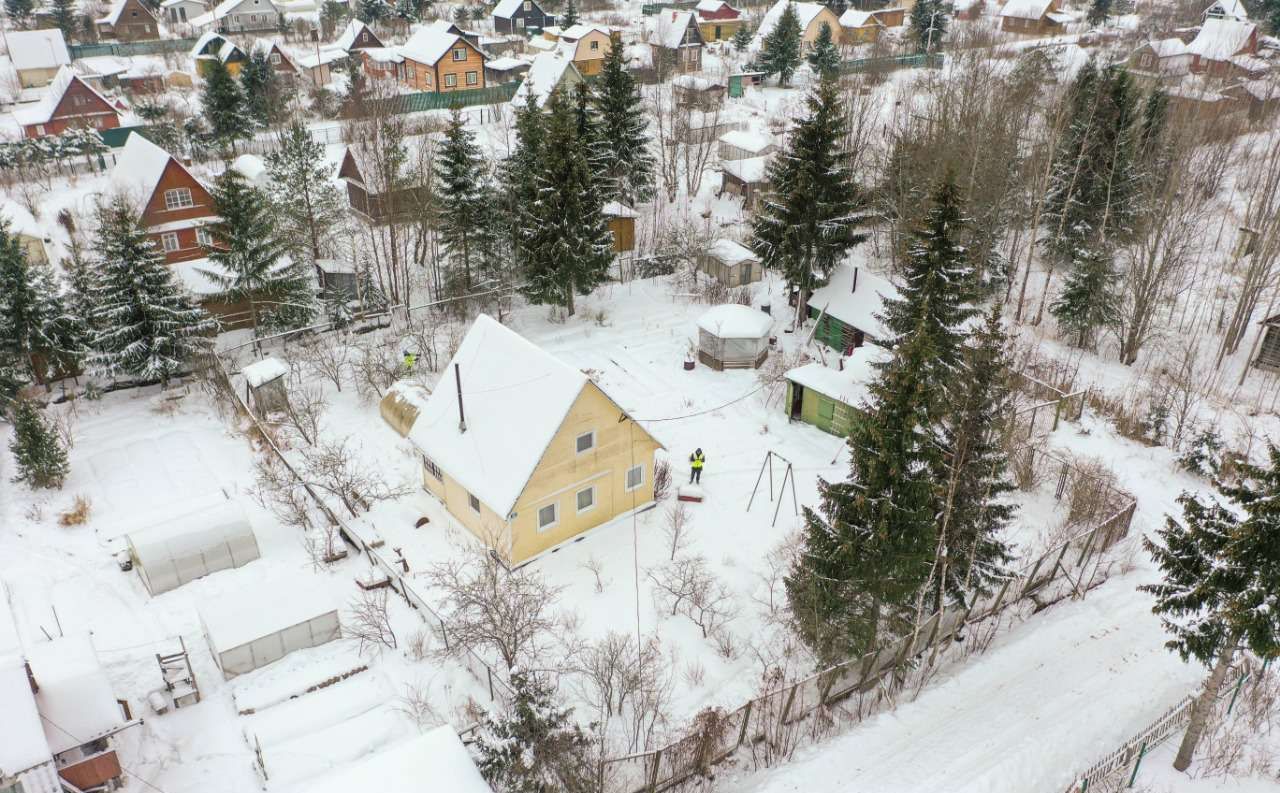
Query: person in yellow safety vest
[(409, 360), (696, 460)]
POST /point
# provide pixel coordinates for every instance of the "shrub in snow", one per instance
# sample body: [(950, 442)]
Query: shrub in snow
[(1204, 453), (41, 460)]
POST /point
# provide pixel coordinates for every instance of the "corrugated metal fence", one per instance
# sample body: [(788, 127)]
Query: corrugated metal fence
[(157, 47)]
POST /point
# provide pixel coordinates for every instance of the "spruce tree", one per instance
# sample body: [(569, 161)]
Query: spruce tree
[(145, 325), (224, 106), (371, 11), (19, 11), (535, 747), (780, 51), (37, 452), (972, 558), (63, 14), (570, 16), (307, 204), (807, 222), (824, 57), (1090, 299), (627, 162), (1221, 587), (742, 38), (465, 196), (565, 240), (252, 263), (36, 331), (1099, 12), (258, 85), (928, 23), (519, 173)]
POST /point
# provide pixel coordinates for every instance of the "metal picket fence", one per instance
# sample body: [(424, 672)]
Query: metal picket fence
[(125, 49), (1069, 569)]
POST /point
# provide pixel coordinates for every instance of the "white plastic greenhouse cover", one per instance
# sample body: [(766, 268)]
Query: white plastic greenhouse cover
[(188, 546), (253, 626)]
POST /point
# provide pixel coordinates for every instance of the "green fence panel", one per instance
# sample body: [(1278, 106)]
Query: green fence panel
[(434, 100), (649, 9), (157, 47), (933, 61)]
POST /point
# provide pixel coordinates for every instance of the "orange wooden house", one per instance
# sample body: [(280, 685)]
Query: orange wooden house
[(68, 102), (437, 60), (176, 208)]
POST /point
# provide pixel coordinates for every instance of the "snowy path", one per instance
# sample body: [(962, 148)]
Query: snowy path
[(1047, 699)]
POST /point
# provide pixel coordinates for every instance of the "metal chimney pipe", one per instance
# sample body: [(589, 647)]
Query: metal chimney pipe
[(855, 280), (462, 416)]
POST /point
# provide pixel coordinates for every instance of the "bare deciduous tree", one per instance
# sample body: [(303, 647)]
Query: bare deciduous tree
[(326, 358), (334, 467), (304, 410), (676, 528), (370, 621), (688, 586)]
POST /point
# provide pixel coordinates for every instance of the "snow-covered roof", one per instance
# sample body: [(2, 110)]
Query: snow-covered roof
[(544, 77), (436, 760), (1253, 65), (694, 83), (806, 12), (505, 64), (1219, 39), (250, 166), (384, 55), (21, 222), (581, 29), (193, 274), (732, 321), (310, 60), (1026, 9), (750, 170), (669, 29), (848, 386), (507, 8), (43, 110), (113, 16), (709, 6), (1228, 9), (1168, 48), (853, 18), (494, 458), (546, 45), (22, 741), (139, 167), (747, 141), (101, 66), (731, 253), (617, 209), (37, 49), (263, 608), (203, 41), (75, 699), (264, 371), (858, 307), (350, 34), (428, 45)]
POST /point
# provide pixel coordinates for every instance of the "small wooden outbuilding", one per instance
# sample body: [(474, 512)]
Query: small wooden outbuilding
[(733, 337), (265, 386), (745, 178), (622, 224), (730, 263)]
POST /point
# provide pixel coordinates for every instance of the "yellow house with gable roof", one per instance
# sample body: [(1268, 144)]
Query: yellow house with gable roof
[(534, 453)]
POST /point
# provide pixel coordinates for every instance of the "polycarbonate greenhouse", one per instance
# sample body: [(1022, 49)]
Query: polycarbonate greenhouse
[(192, 545), (254, 626)]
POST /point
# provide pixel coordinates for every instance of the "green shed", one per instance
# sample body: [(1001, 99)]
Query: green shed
[(847, 309), (828, 398)]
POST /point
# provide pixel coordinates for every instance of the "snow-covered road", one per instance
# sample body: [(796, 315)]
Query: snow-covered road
[(1050, 696)]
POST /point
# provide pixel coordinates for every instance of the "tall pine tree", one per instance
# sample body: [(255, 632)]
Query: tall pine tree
[(564, 236), (224, 106), (258, 85), (1099, 12), (1089, 298), (780, 51), (807, 223), (63, 16), (928, 23), (1221, 587), (570, 16), (35, 327), (145, 325), (465, 196), (251, 259), (308, 206), (824, 57), (19, 11), (40, 458), (627, 162)]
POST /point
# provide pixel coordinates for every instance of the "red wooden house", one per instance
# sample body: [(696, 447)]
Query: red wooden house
[(68, 102), (176, 209)]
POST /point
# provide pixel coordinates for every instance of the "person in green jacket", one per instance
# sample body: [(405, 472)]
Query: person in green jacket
[(696, 461)]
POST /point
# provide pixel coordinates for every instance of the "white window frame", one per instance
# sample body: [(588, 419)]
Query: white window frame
[(460, 53), (166, 238), (451, 80), (473, 78), (203, 237), (577, 446), (594, 501), (595, 45), (555, 521), (473, 502), (178, 198), (275, 58), (626, 478), (39, 129)]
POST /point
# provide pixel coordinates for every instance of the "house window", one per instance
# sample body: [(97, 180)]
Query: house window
[(275, 58), (450, 80), (595, 45), (474, 502), (39, 129), (432, 469), (548, 516), (586, 499), (79, 101), (178, 198), (169, 241), (204, 238), (586, 441), (635, 477), (472, 78), (460, 54), (528, 6)]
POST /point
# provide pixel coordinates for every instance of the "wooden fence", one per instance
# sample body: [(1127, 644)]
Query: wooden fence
[(1067, 570)]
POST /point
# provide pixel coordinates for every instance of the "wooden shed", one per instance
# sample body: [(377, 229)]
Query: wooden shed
[(740, 144), (622, 224), (829, 398), (730, 263), (745, 178), (265, 386)]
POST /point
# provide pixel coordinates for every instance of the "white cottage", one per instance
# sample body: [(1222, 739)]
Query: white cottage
[(241, 16)]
